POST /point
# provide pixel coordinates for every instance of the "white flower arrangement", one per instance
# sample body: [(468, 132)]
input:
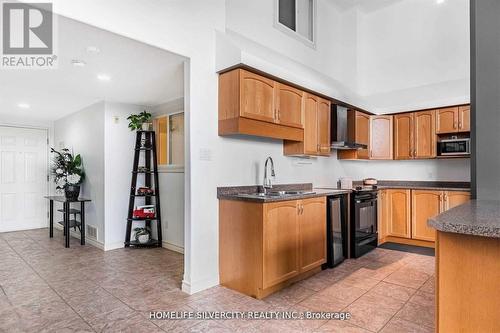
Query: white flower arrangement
[(73, 179), (67, 168)]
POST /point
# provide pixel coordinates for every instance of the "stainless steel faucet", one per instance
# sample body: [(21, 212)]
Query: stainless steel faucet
[(268, 184)]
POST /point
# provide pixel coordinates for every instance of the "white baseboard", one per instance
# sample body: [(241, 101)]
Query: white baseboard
[(193, 288), (88, 240), (172, 247), (113, 246)]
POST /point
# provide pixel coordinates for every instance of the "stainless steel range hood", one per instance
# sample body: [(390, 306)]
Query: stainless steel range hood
[(341, 136)]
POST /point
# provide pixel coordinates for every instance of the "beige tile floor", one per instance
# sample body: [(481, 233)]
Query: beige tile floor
[(47, 288)]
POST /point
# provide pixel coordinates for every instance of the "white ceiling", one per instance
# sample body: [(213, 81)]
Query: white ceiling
[(140, 74)]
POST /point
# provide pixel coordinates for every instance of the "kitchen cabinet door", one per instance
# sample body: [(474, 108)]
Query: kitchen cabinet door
[(425, 204), (289, 105), (399, 208), (403, 136), (424, 134), (280, 242), (383, 216), (312, 231), (464, 118), (455, 198), (257, 97), (447, 120), (381, 138), (324, 113), (311, 122), (363, 133)]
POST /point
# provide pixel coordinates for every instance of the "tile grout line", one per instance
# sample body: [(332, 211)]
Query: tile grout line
[(72, 309)]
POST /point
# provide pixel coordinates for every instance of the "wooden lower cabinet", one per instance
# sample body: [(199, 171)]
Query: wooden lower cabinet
[(425, 204), (455, 198), (281, 240), (403, 214), (398, 213), (312, 233), (263, 247)]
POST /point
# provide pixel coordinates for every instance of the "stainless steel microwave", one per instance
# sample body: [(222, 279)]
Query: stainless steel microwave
[(454, 147)]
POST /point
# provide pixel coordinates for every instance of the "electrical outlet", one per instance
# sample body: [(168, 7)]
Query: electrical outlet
[(116, 119)]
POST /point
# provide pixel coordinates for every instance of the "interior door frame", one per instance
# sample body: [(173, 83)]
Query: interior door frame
[(47, 152)]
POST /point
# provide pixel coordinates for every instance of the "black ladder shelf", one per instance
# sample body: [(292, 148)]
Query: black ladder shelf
[(145, 142)]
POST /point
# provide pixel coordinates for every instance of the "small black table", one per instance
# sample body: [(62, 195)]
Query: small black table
[(66, 204)]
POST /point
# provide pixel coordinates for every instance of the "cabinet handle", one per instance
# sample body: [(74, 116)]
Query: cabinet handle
[(459, 125), (414, 153), (279, 114), (455, 125), (318, 149)]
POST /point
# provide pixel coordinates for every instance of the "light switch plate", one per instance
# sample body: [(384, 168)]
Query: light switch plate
[(205, 154)]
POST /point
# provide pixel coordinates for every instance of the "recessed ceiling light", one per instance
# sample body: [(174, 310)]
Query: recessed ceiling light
[(439, 1), (78, 63), (104, 77), (23, 105), (93, 49)]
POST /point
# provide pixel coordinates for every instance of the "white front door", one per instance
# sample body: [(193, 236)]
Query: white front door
[(23, 178)]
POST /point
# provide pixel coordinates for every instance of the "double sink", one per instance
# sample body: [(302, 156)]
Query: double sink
[(275, 194)]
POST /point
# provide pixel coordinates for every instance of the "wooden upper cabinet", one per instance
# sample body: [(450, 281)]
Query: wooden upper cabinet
[(399, 213), (324, 115), (316, 129), (249, 105), (381, 138), (455, 198), (403, 136), (363, 133), (453, 119), (289, 105), (311, 125), (424, 134), (447, 120), (280, 242), (425, 204), (464, 118), (257, 97), (312, 233)]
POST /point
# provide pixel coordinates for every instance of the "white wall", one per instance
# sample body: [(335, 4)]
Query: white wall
[(189, 27), (414, 54), (330, 67), (118, 143), (83, 132), (172, 190)]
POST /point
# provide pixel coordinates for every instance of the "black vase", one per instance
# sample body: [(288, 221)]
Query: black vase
[(72, 192)]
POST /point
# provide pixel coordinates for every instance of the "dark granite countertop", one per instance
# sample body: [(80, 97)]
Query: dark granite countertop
[(244, 193), (477, 217)]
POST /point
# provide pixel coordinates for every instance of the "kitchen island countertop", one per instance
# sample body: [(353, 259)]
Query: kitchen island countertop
[(477, 217)]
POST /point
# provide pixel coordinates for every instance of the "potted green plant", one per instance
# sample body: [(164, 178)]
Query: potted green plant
[(140, 121), (142, 235), (68, 172)]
